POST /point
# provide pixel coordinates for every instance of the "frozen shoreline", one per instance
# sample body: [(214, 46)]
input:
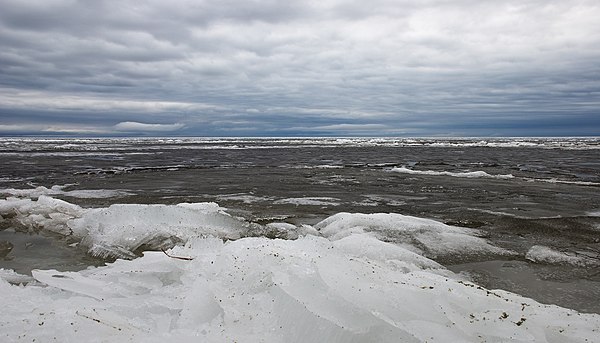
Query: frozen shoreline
[(337, 281), (356, 289), (304, 240)]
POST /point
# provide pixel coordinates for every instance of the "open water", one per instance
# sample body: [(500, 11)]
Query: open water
[(519, 193)]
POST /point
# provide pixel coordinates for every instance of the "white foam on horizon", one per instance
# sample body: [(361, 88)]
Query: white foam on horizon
[(194, 143), (472, 174), (122, 170), (328, 166), (304, 166)]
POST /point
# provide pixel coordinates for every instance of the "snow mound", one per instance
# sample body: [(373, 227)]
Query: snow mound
[(473, 174), (120, 230), (355, 289), (544, 254), (423, 236)]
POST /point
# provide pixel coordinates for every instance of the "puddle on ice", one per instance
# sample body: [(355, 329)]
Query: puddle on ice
[(23, 252), (565, 286)]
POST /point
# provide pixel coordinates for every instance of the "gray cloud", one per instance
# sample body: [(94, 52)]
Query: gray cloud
[(297, 67)]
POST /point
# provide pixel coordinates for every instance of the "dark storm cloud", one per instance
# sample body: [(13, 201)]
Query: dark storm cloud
[(300, 68)]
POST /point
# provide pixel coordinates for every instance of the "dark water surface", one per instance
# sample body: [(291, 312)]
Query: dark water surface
[(534, 192)]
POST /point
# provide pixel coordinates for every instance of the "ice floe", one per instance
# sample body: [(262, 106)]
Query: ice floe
[(471, 174), (568, 182), (423, 236), (310, 201), (59, 190), (544, 254), (13, 277), (121, 229), (244, 198)]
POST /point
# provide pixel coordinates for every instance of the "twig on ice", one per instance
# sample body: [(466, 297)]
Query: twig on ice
[(177, 257)]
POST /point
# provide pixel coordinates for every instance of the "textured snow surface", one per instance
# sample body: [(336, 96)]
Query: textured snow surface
[(356, 289)]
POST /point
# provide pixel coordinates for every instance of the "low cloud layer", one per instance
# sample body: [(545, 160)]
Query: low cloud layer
[(131, 126), (272, 68)]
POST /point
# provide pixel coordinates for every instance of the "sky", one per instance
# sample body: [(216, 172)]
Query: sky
[(402, 68)]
